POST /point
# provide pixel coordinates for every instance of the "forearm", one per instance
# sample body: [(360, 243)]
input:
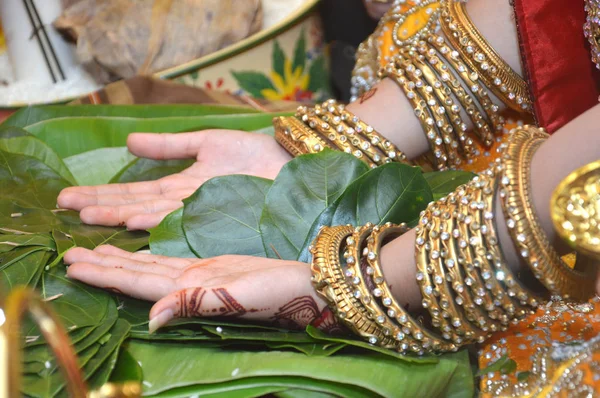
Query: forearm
[(573, 146), (386, 108)]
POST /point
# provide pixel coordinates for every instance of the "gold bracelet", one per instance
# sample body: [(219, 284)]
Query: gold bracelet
[(524, 226), (422, 339), (329, 281), (494, 72), (296, 138)]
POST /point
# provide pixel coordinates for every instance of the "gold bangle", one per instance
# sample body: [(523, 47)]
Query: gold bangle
[(454, 261), (422, 113), (441, 120), (364, 293), (495, 73), (591, 29), (329, 281), (523, 224), (422, 339), (296, 138), (485, 129), (432, 279), (527, 301)]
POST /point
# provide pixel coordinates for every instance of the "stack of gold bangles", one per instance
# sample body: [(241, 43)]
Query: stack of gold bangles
[(448, 81), (466, 285), (331, 125)]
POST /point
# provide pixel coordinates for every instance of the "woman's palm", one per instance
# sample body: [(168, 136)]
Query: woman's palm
[(143, 205)]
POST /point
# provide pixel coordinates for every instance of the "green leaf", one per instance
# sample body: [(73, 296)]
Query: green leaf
[(523, 376), (91, 236), (126, 369), (98, 166), (298, 393), (444, 182), (319, 79), (142, 169), (26, 144), (253, 82), (168, 238), (9, 242), (24, 272), (314, 349), (64, 136), (300, 52), (223, 216), (393, 192), (504, 365), (226, 333), (183, 365), (278, 59), (28, 116), (303, 189)]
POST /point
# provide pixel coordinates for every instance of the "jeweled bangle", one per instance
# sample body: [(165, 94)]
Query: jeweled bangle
[(422, 339), (591, 29), (422, 112), (471, 78), (329, 281), (437, 294), (297, 138), (442, 122), (495, 73), (527, 300), (523, 223), (455, 265), (362, 292)]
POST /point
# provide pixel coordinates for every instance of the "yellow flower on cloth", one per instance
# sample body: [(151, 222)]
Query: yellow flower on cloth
[(2, 41), (293, 85)]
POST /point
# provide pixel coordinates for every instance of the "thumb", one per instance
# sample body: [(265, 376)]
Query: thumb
[(195, 302), (166, 145)]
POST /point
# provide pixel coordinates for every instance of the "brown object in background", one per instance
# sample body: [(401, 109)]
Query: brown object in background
[(122, 38)]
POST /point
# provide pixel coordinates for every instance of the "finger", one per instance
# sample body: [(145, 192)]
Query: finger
[(82, 255), (129, 188), (77, 201), (149, 258), (118, 215), (166, 146), (146, 221), (140, 285)]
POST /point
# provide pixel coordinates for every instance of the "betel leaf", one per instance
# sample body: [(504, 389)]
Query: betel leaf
[(126, 368), (30, 115), (9, 242), (141, 169), (444, 182), (64, 134), (25, 272), (98, 166), (299, 393), (192, 364), (168, 238), (301, 191), (393, 192), (91, 236), (27, 144), (223, 215)]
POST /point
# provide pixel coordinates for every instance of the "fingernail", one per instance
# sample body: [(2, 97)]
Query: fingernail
[(160, 320)]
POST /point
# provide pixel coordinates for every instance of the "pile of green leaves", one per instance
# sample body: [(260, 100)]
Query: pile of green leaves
[(43, 150)]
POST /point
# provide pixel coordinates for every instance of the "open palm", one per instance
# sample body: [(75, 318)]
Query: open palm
[(142, 205)]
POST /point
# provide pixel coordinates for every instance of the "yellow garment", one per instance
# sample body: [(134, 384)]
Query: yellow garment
[(2, 41)]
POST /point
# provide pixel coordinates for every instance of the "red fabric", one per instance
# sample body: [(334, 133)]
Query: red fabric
[(556, 58)]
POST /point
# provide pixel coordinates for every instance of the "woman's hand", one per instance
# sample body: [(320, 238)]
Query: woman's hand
[(243, 287), (143, 205)]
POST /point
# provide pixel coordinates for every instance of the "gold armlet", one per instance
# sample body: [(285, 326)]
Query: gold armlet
[(476, 52), (524, 226)]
